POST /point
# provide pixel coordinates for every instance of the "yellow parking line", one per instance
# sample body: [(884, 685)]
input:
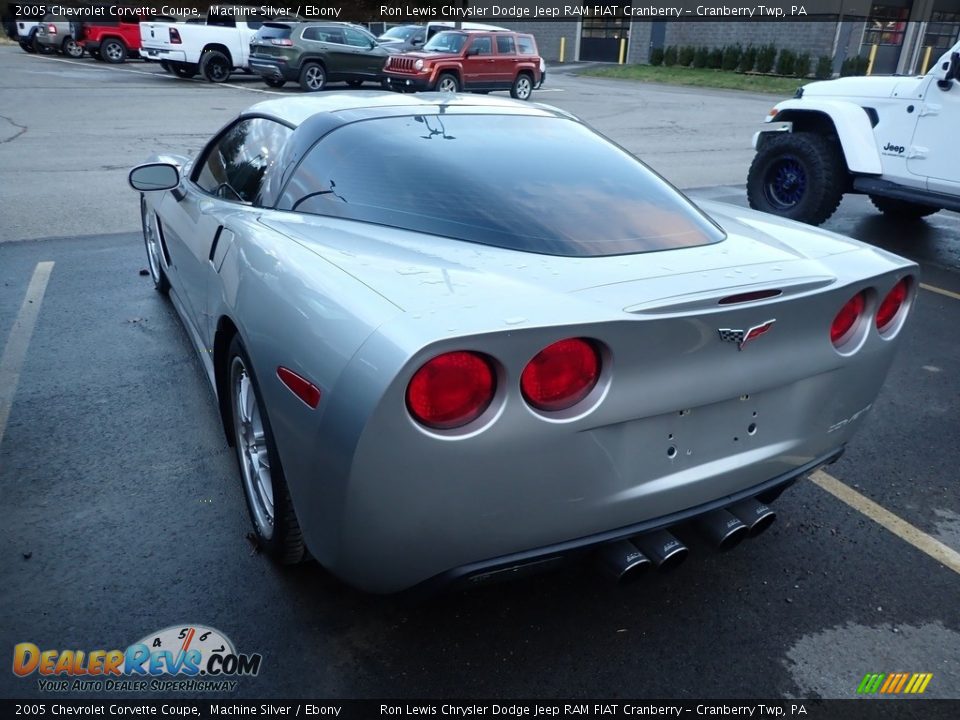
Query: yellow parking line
[(940, 291), (898, 526), (16, 348)]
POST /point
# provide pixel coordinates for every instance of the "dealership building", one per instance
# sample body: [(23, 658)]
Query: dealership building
[(903, 36)]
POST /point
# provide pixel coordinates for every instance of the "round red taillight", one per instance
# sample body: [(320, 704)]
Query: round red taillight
[(451, 390), (561, 375), (847, 318), (891, 304)]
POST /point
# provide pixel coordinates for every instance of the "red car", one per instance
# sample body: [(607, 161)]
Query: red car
[(112, 42), (478, 61)]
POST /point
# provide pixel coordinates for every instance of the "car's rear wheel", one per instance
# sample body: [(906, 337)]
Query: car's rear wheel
[(215, 66), (448, 82), (313, 77), (275, 82), (902, 209), (27, 46), (275, 524), (151, 240), (522, 87), (184, 70), (71, 48), (800, 176), (113, 51)]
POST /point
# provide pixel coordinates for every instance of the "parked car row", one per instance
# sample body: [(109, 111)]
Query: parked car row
[(409, 58)]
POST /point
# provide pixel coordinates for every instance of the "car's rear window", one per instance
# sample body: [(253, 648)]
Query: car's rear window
[(532, 183), (526, 45), (274, 31)]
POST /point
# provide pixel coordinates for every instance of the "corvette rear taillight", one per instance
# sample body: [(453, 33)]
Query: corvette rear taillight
[(175, 37), (451, 390), (561, 375), (890, 307), (846, 320)]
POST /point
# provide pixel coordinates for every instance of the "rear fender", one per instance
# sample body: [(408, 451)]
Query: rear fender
[(848, 121)]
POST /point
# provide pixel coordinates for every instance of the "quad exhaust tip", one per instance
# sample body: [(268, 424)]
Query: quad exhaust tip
[(722, 529), (754, 514), (662, 548), (623, 561)]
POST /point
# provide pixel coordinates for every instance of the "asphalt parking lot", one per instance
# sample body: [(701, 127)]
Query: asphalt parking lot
[(124, 514)]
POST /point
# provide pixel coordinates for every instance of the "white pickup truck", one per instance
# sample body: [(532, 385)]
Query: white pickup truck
[(213, 48)]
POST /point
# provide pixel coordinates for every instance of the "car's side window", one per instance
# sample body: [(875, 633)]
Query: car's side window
[(355, 38), (505, 45), (525, 44), (235, 165), (481, 46)]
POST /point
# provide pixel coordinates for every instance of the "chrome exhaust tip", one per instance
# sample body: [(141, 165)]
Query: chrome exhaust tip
[(754, 514), (663, 549), (722, 529), (622, 561)]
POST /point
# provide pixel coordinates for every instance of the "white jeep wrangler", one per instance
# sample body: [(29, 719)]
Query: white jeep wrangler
[(891, 138)]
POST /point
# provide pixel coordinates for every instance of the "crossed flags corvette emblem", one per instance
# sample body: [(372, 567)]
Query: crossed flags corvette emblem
[(742, 337)]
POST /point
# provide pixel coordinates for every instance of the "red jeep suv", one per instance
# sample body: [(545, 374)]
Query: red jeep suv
[(112, 41), (474, 60)]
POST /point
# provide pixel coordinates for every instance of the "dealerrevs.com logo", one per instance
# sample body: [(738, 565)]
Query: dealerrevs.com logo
[(178, 658)]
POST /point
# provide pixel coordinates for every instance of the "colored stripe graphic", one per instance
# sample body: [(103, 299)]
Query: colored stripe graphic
[(894, 683)]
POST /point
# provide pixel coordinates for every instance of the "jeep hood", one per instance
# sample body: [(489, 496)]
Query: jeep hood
[(876, 86)]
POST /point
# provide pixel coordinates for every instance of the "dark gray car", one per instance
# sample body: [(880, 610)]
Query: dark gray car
[(404, 38)]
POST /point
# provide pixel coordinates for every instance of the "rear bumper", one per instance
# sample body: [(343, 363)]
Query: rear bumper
[(272, 69), (550, 556), (159, 54)]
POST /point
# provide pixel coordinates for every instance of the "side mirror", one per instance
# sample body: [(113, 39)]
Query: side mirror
[(154, 176), (953, 72), (473, 51), (416, 41)]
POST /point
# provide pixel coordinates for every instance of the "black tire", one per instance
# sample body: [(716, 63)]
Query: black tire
[(354, 83), (27, 46), (275, 82), (902, 209), (448, 82), (522, 87), (113, 51), (285, 541), (801, 176), (184, 70), (313, 77), (151, 243), (71, 48), (215, 66)]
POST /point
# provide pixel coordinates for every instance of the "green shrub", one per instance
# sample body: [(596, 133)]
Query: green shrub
[(854, 66), (685, 55), (701, 57), (656, 57), (786, 61), (731, 57), (801, 67), (824, 69), (715, 59), (670, 56), (748, 60), (766, 56)]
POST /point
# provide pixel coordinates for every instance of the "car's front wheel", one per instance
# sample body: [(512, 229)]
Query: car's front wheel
[(275, 524), (448, 82), (215, 66), (71, 48), (151, 240), (313, 77), (902, 209), (522, 87), (800, 176), (113, 51)]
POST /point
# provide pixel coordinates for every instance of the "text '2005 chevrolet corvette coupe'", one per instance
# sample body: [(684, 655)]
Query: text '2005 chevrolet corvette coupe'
[(456, 338)]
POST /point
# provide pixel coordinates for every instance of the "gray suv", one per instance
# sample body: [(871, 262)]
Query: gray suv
[(59, 35)]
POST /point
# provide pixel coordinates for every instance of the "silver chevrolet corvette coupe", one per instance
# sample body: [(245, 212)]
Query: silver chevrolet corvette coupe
[(457, 338)]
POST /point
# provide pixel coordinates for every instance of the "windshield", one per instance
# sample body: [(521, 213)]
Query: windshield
[(446, 41), (540, 184), (399, 33)]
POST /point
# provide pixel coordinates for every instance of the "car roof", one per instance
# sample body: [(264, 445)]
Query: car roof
[(296, 110)]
